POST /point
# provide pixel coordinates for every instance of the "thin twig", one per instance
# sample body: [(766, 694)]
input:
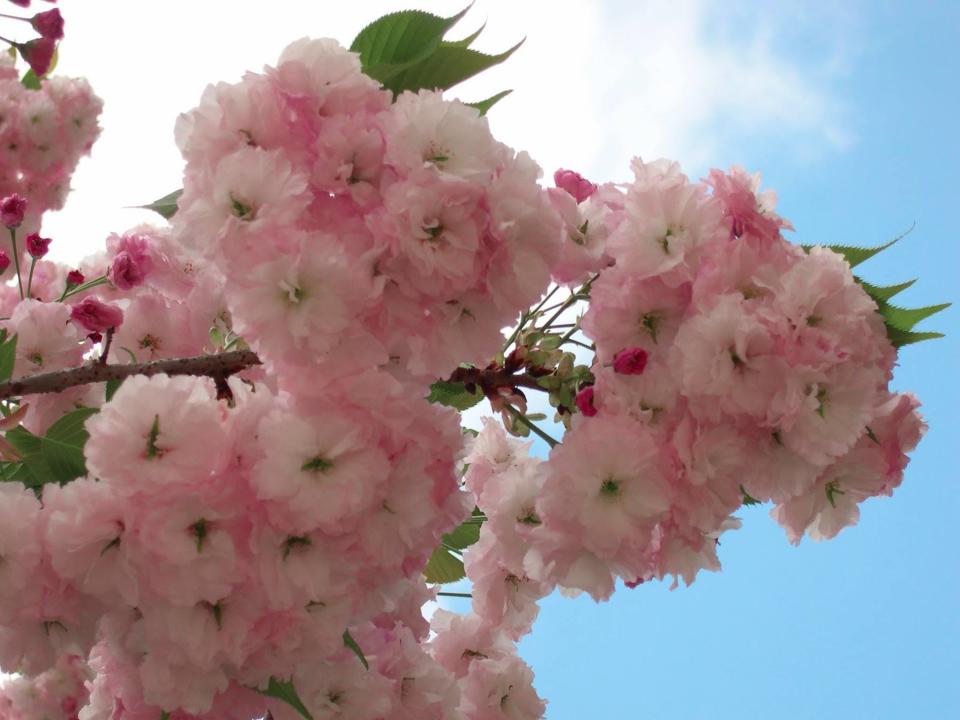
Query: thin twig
[(526, 421)]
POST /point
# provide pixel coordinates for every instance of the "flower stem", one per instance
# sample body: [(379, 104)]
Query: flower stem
[(33, 264), (102, 280), (455, 594), (16, 256)]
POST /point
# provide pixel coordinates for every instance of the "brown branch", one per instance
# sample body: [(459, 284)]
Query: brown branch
[(489, 379), (218, 367)]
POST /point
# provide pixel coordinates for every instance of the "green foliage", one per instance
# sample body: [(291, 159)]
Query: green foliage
[(747, 498), (30, 80), (8, 356), (406, 51), (444, 567), (166, 206), (397, 41), (56, 457), (465, 534), (454, 394), (484, 105), (899, 321), (284, 690), (349, 642), (112, 387)]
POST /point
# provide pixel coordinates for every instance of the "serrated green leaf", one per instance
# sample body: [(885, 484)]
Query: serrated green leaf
[(463, 536), (394, 42), (62, 445), (443, 567), (905, 318), (468, 40), (447, 66), (484, 105), (284, 691), (349, 642), (899, 338), (8, 357), (855, 255), (166, 206), (882, 293), (454, 395)]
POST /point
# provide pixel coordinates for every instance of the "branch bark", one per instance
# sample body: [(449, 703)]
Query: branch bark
[(218, 367)]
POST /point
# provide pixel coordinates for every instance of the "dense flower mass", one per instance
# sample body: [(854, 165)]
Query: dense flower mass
[(240, 543)]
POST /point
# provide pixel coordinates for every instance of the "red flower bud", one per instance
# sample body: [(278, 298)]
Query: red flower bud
[(575, 184), (38, 54), (37, 246), (74, 277), (632, 361), (49, 24), (94, 315), (12, 210), (4, 261), (584, 401)]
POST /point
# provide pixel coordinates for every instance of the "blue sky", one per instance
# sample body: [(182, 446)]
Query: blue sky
[(850, 111)]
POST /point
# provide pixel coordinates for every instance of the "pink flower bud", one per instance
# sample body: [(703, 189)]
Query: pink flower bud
[(584, 401), (21, 3), (38, 54), (49, 24), (12, 210), (128, 270), (94, 315), (37, 246), (574, 183), (75, 277), (632, 361), (4, 261)]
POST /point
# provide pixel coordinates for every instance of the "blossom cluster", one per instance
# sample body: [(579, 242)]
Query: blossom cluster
[(731, 367), (43, 134), (224, 540), (236, 539)]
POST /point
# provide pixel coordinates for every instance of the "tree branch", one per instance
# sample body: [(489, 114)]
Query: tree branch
[(216, 366)]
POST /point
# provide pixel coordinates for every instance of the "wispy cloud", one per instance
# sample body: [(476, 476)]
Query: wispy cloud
[(596, 83)]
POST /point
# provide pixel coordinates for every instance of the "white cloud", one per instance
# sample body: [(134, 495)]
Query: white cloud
[(595, 83)]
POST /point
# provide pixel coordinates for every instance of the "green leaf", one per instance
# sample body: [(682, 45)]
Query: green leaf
[(399, 40), (112, 387), (352, 644), (284, 690), (899, 338), (8, 356), (30, 80), (882, 293), (33, 472), (856, 255), (484, 105), (164, 715), (905, 318), (166, 206), (443, 567), (62, 446), (454, 394), (747, 498), (463, 536), (468, 40), (447, 66)]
